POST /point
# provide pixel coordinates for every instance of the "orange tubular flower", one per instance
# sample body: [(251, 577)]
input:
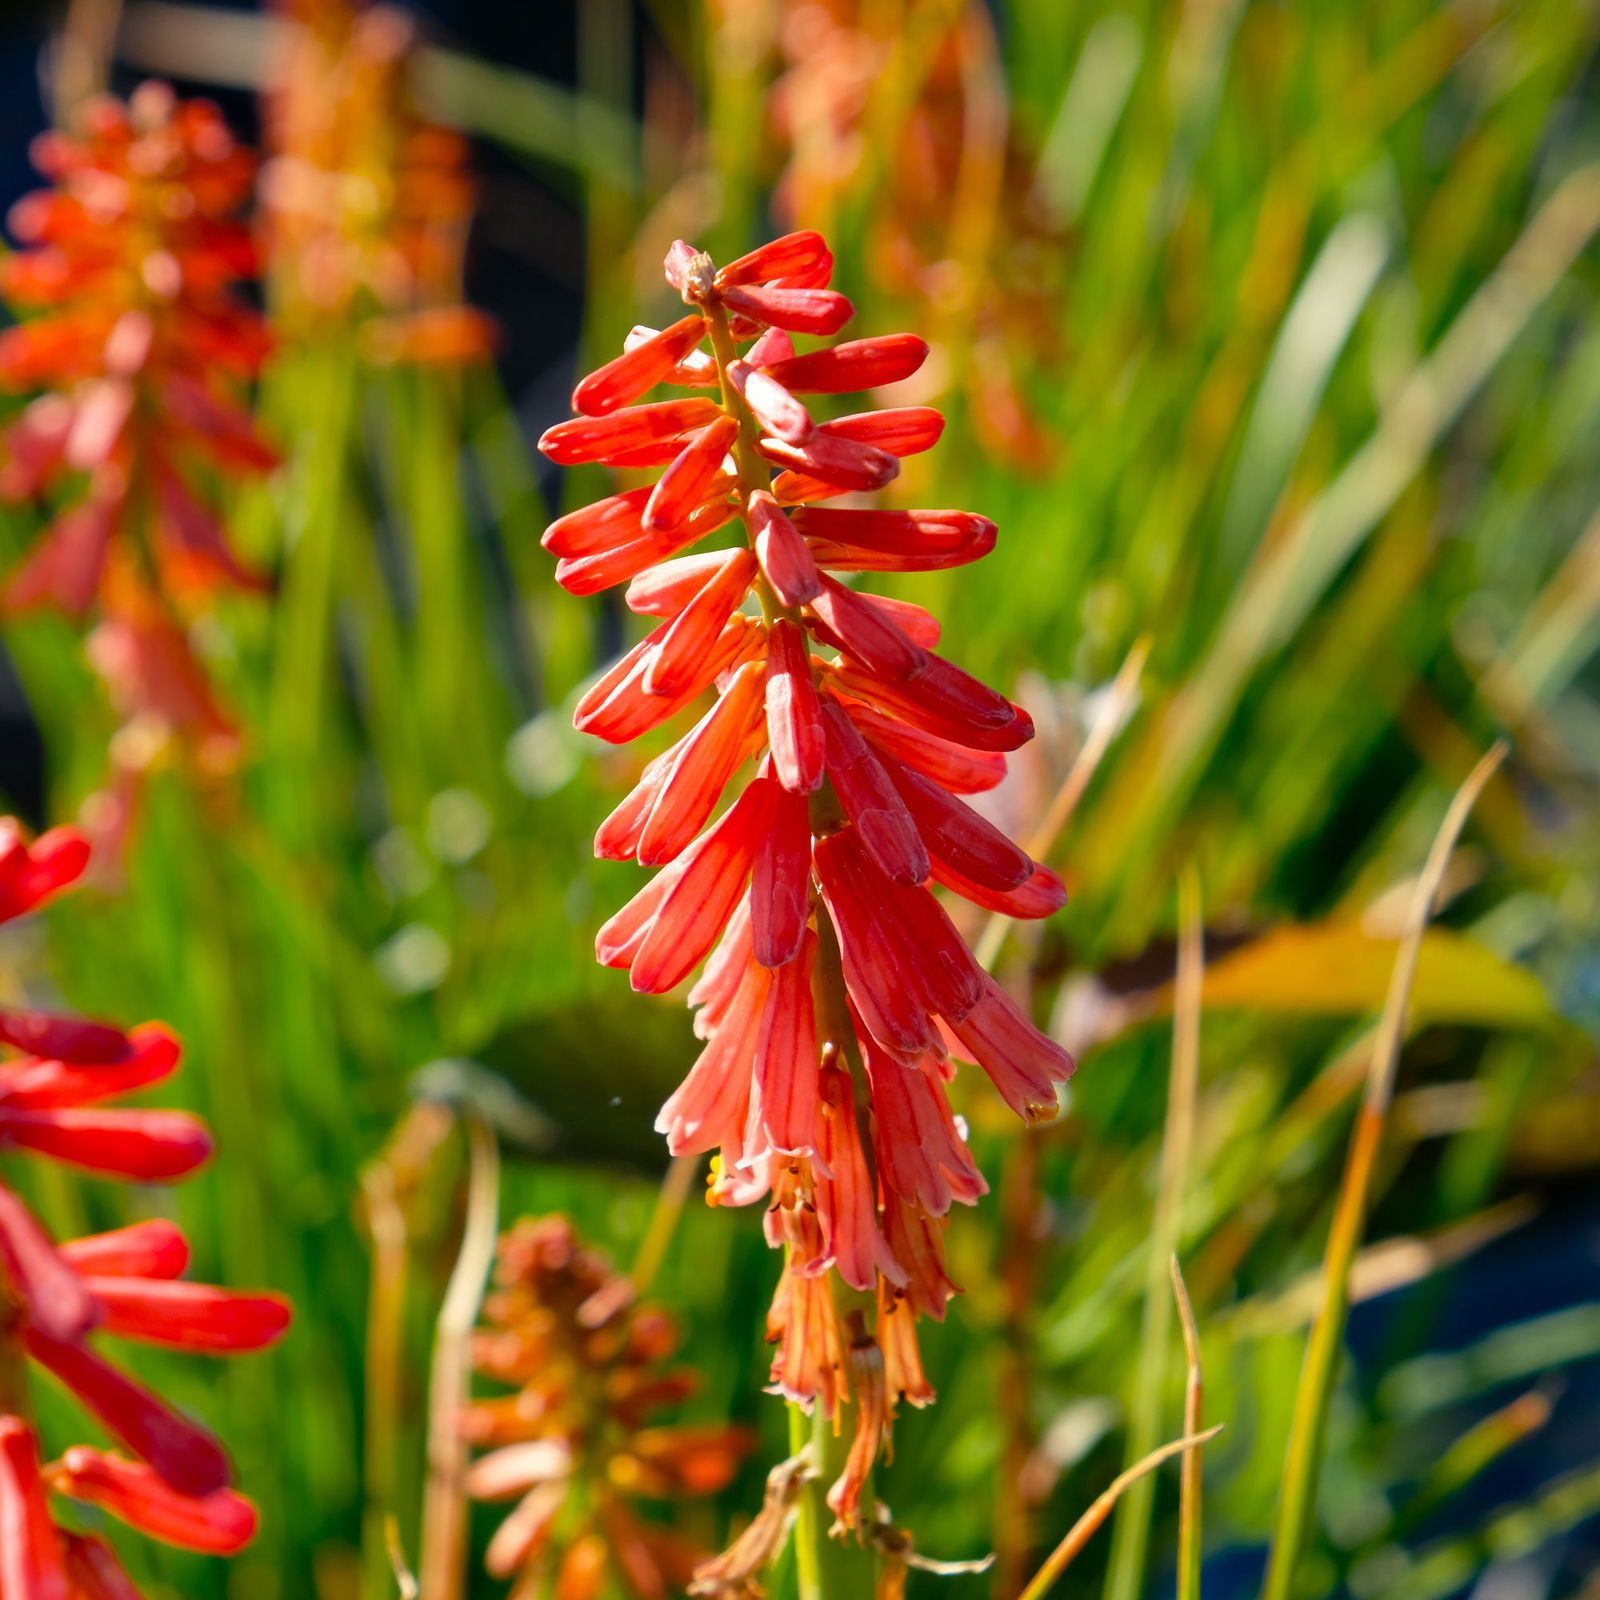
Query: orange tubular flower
[(958, 222), (362, 197), (129, 261), (836, 993), (126, 1283), (574, 1444)]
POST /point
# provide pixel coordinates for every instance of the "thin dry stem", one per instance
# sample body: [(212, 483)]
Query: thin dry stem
[(1192, 1471), (1085, 1527), (444, 1505)]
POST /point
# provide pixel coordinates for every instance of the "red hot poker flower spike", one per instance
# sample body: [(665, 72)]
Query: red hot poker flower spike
[(53, 1299), (127, 264), (836, 992)]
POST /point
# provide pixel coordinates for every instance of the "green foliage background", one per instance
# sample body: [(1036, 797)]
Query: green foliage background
[(1312, 330)]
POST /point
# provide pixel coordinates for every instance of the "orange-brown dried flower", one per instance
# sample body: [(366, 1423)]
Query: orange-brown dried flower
[(575, 1442)]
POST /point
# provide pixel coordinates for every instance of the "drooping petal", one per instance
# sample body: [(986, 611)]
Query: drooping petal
[(951, 766), (853, 364), (941, 700), (841, 462), (708, 1108), (219, 1523), (1021, 1062), (865, 633), (871, 1425), (877, 973), (31, 1562), (184, 1454), (684, 645), (773, 407), (583, 439), (920, 1152), (845, 1203), (150, 1146), (786, 1061), (690, 476), (1042, 895), (821, 311), (639, 368), (794, 711), (881, 819), (780, 882), (957, 834), (153, 1249), (189, 1316), (802, 251), (50, 1291), (784, 556), (808, 1367)]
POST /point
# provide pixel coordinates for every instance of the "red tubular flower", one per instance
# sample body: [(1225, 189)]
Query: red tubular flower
[(123, 1284), (219, 1523), (836, 992), (127, 265)]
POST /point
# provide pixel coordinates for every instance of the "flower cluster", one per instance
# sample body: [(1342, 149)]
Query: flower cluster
[(127, 1284), (363, 197), (836, 992), (575, 1442), (956, 221), (128, 261)]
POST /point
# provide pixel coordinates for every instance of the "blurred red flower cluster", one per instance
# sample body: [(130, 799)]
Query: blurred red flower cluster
[(54, 1297), (129, 261)]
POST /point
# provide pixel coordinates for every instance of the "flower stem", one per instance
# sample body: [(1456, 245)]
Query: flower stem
[(13, 1366), (828, 1569)]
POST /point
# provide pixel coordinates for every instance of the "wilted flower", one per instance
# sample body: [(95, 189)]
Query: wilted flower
[(54, 1080), (575, 1443), (128, 262), (364, 200), (836, 993)]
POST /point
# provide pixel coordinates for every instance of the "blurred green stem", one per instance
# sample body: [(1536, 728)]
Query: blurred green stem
[(304, 617), (828, 1569)]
